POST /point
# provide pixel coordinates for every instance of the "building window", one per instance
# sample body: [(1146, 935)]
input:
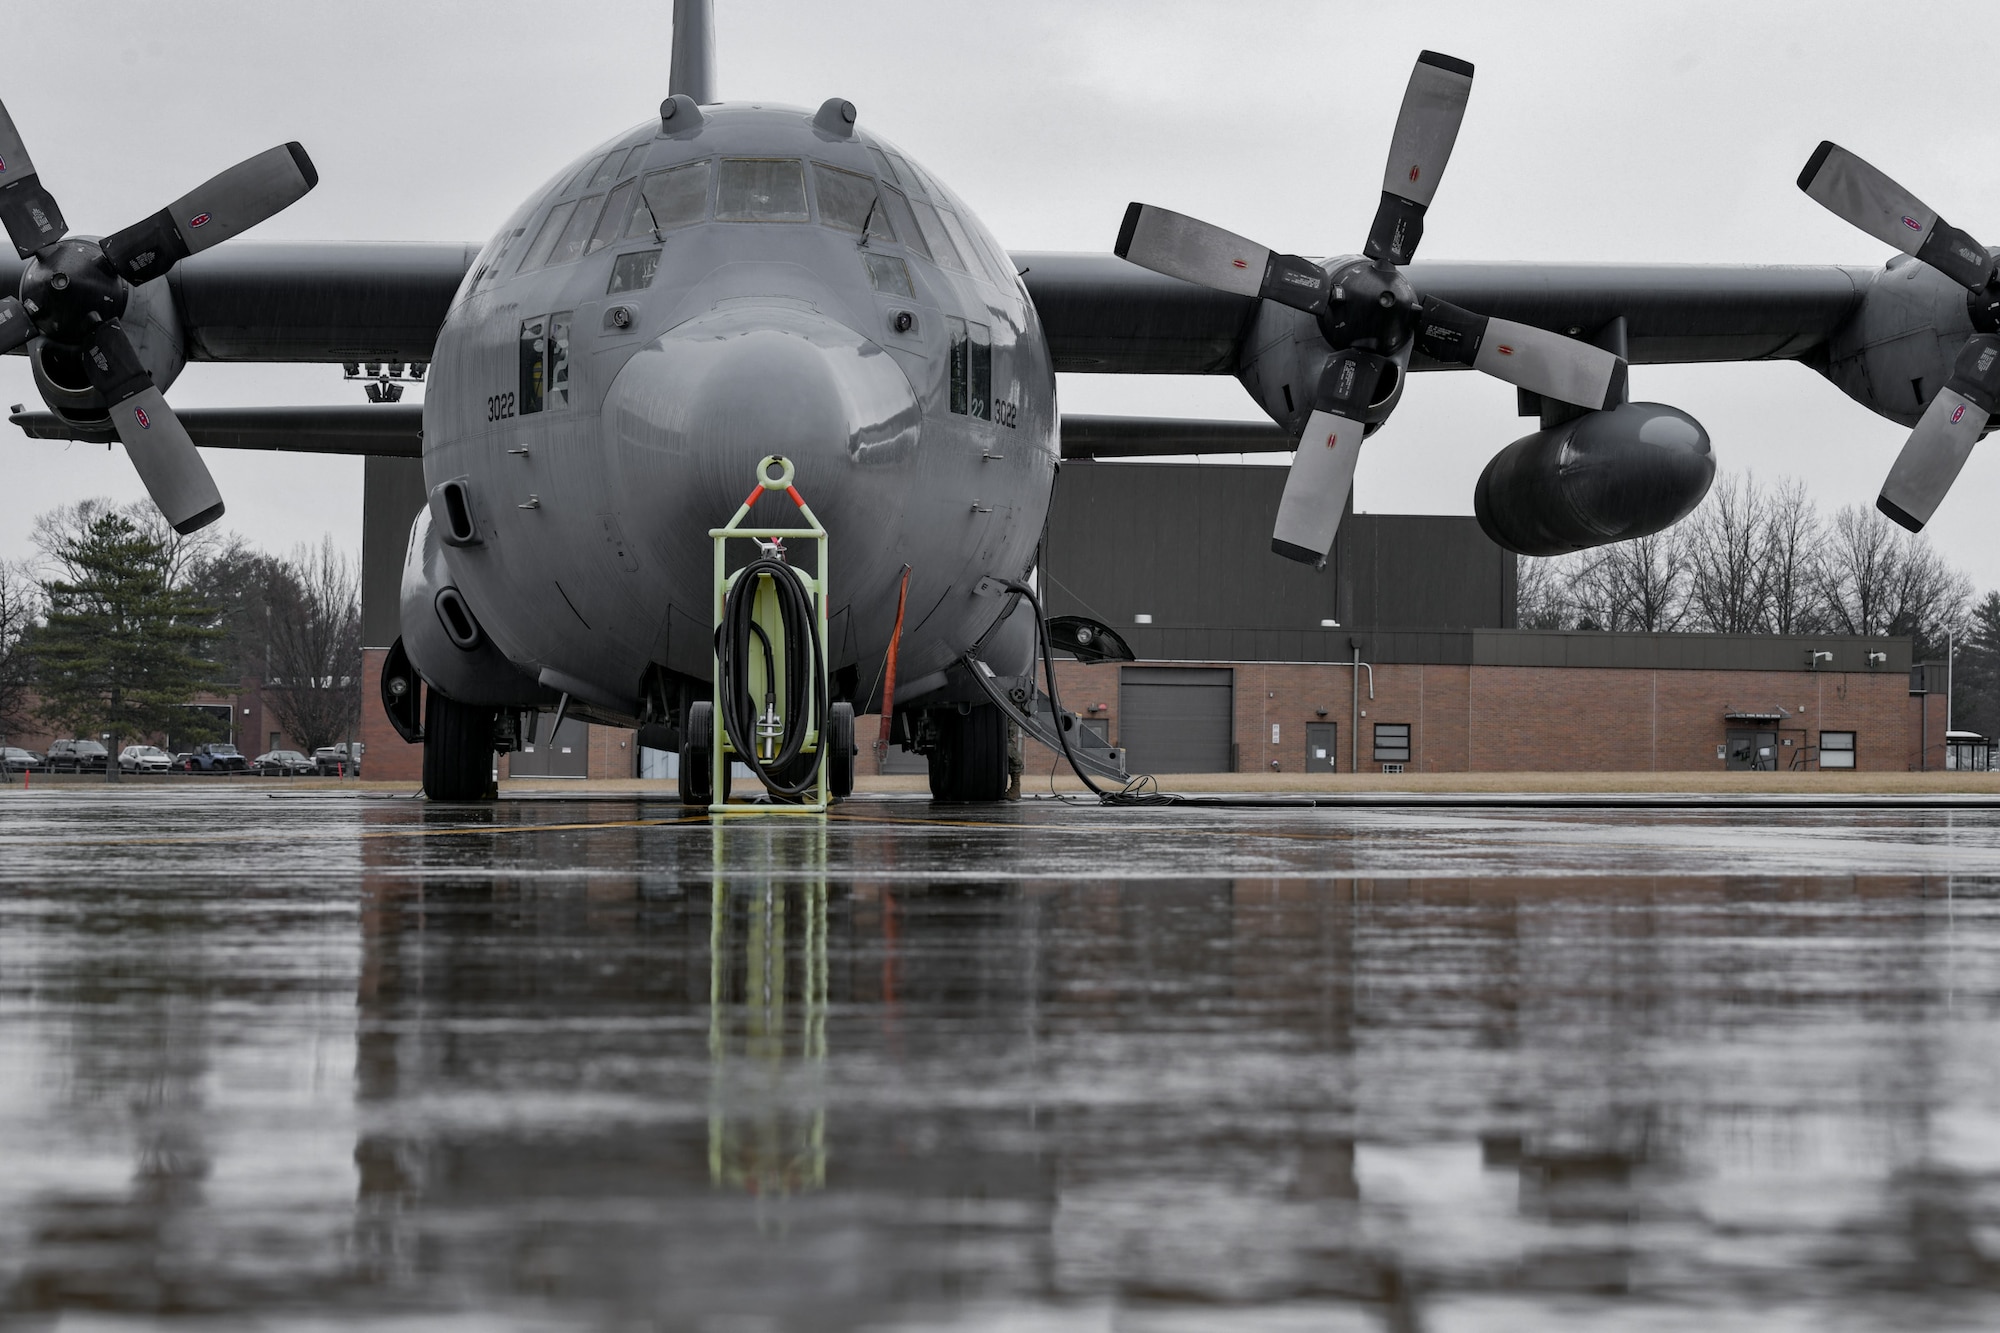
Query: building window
[(1836, 749), (1392, 742)]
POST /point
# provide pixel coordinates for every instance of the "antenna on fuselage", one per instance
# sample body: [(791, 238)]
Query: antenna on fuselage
[(692, 68)]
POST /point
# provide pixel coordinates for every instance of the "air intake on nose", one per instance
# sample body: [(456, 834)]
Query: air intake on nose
[(457, 619), (451, 510)]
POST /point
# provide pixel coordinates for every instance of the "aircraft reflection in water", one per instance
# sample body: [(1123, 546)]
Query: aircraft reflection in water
[(742, 1080), (767, 1102)]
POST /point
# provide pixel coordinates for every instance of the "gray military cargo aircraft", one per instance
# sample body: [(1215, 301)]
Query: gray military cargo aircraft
[(732, 280)]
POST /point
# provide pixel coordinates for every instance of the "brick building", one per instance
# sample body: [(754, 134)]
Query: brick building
[(1247, 662)]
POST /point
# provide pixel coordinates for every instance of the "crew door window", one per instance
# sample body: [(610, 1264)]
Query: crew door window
[(971, 369), (534, 363), (544, 351), (1836, 749)]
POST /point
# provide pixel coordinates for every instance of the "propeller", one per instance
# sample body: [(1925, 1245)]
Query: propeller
[(1857, 192), (73, 291), (1368, 312)]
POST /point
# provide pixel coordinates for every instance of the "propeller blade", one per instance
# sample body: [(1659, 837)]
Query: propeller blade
[(1951, 425), (154, 438), (1426, 130), (212, 212), (1856, 192), (15, 327), (27, 210), (1198, 252), (1322, 474), (1546, 363)]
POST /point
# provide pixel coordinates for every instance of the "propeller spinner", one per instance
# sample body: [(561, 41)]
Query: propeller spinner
[(1368, 312), (1923, 472), (74, 290)]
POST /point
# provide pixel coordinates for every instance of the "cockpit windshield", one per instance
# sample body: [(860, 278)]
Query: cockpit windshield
[(850, 201), (761, 189)]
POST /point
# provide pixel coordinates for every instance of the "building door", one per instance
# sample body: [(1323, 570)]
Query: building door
[(1751, 751), (566, 754), (1177, 719), (1322, 747)]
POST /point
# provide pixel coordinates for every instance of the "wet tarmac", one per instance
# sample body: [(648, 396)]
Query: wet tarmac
[(311, 1061)]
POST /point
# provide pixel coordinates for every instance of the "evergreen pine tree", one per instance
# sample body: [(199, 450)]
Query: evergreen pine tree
[(122, 649)]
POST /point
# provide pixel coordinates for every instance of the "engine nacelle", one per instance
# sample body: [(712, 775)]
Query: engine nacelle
[(153, 325), (1603, 477), (1284, 354), (1896, 350), (442, 635)]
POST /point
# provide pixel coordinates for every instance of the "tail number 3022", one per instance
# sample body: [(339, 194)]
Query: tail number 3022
[(499, 407)]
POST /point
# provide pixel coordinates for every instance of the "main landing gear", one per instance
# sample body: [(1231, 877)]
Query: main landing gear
[(458, 750), (969, 763)]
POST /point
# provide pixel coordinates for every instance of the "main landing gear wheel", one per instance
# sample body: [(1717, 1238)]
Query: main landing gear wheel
[(839, 751), (970, 762), (458, 750), (697, 746)]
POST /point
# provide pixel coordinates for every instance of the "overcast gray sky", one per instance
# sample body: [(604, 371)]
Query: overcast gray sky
[(1595, 132)]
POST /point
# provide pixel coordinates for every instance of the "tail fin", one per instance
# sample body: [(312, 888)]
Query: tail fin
[(692, 70)]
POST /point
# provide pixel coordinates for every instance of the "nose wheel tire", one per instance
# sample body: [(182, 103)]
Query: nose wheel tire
[(696, 752), (458, 750), (970, 762), (839, 746)]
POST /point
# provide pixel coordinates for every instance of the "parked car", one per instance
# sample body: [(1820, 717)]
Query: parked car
[(284, 764), (144, 759), (77, 757), (332, 759), (13, 759), (220, 757)]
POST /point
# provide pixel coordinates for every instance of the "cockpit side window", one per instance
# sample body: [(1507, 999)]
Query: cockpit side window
[(545, 239), (577, 233), (936, 237), (905, 220), (848, 200), (668, 199), (762, 189), (613, 166), (616, 208), (583, 173)]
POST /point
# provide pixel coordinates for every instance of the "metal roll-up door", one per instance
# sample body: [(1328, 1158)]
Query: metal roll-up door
[(564, 755), (1177, 719)]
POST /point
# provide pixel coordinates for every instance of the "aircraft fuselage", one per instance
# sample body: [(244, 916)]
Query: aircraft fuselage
[(673, 307)]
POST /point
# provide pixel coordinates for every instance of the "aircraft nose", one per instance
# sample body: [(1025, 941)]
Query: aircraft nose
[(695, 410)]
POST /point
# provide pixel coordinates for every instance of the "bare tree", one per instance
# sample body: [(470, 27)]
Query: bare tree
[(20, 607), (1929, 598), (1792, 534), (1859, 570), (315, 644), (1541, 599), (1641, 584), (1729, 558), (64, 528)]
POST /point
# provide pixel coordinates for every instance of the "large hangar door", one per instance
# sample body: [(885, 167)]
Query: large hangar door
[(1177, 719)]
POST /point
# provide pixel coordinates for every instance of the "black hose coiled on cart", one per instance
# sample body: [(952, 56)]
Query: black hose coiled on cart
[(805, 675)]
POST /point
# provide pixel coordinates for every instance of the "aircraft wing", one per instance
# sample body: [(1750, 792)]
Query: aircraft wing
[(316, 301), (336, 301), (1103, 314)]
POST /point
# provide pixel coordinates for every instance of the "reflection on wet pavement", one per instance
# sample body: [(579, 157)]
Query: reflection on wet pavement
[(270, 1061)]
